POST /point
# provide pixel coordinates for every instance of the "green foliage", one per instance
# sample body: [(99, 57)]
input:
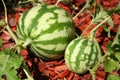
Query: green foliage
[(114, 10), (117, 55), (102, 15), (106, 29), (9, 63), (113, 50), (113, 77), (87, 5), (65, 0), (116, 43), (2, 23), (110, 64)]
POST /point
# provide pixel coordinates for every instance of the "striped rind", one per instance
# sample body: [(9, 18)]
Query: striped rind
[(81, 54), (49, 27)]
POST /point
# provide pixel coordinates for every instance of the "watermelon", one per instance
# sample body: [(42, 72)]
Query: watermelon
[(81, 55), (46, 30)]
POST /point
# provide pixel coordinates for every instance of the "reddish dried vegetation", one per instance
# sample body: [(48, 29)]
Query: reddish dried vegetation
[(54, 70)]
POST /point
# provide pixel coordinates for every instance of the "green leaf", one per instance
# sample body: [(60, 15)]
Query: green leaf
[(113, 77), (9, 62), (66, 0), (110, 64), (87, 5), (116, 43), (117, 55), (108, 47), (2, 23), (101, 15), (106, 29), (11, 74), (114, 10), (110, 22)]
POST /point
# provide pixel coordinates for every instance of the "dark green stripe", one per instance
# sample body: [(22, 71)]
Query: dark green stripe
[(58, 26), (19, 33)]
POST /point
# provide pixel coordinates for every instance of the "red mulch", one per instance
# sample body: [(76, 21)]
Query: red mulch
[(54, 70)]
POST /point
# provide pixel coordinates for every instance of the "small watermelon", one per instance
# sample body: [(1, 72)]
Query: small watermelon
[(81, 55)]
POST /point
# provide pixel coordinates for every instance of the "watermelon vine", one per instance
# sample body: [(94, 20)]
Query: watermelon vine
[(48, 31)]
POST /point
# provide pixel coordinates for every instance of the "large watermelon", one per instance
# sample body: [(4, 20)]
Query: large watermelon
[(47, 29)]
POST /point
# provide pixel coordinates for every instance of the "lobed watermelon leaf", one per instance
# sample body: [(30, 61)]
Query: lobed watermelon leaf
[(113, 77), (113, 49), (116, 43), (9, 63), (110, 64), (2, 23), (117, 55)]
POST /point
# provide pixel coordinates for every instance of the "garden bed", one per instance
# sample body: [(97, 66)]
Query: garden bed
[(57, 69)]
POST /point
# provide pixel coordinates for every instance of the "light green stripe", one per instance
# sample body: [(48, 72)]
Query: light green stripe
[(49, 51), (53, 41)]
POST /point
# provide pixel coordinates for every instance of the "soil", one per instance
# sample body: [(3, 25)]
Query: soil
[(57, 70)]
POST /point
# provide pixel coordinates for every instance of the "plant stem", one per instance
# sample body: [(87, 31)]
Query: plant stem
[(57, 2), (79, 12), (16, 41), (93, 75), (93, 30), (26, 70), (7, 27), (86, 28), (92, 72), (26, 43)]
